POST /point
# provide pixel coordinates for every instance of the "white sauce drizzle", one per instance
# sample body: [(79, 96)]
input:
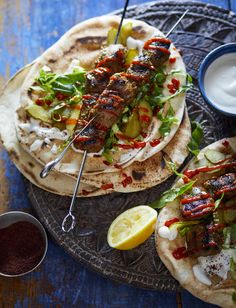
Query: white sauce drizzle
[(45, 134), (36, 145), (201, 275), (54, 149), (168, 233), (220, 82), (135, 44)]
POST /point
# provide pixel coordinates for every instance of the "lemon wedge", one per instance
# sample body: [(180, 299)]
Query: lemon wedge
[(132, 227)]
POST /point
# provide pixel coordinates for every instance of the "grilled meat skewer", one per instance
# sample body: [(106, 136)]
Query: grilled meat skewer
[(120, 92), (197, 206), (223, 184), (110, 61), (113, 60)]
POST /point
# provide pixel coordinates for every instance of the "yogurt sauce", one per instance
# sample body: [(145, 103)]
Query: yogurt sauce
[(220, 82)]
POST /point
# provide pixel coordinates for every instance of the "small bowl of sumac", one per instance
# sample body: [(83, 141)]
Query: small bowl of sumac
[(23, 243)]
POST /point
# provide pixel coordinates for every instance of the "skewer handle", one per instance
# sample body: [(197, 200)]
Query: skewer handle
[(69, 221)]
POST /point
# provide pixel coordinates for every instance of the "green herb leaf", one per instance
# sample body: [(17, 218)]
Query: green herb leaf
[(68, 84), (197, 135), (218, 201), (232, 269), (167, 121), (170, 195)]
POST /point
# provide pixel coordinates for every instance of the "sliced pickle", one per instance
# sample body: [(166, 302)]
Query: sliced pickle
[(126, 31), (203, 162), (133, 127), (131, 54), (39, 113), (214, 156), (71, 122), (145, 114), (111, 36)]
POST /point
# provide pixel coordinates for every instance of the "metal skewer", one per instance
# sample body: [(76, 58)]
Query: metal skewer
[(69, 221), (67, 225), (177, 22)]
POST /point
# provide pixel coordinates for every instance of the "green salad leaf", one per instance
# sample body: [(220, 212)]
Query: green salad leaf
[(170, 195), (167, 121), (197, 135), (69, 84)]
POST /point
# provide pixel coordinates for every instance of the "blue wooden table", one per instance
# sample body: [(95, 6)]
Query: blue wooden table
[(27, 27)]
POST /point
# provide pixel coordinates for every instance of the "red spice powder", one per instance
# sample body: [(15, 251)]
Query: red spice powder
[(22, 247)]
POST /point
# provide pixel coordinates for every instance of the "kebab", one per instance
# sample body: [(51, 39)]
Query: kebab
[(120, 92), (205, 221), (111, 60)]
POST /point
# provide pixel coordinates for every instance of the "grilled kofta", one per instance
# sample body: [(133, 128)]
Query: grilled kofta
[(113, 60), (197, 206), (120, 92), (110, 61), (223, 184)]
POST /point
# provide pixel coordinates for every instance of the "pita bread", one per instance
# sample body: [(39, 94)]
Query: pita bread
[(182, 269), (146, 174)]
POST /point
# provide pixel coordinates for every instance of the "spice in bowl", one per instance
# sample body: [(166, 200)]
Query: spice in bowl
[(22, 247)]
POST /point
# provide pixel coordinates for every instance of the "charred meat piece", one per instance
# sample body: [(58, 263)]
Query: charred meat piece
[(157, 49), (204, 240), (87, 110), (223, 184), (112, 57), (122, 89), (110, 107), (141, 69), (97, 80), (196, 206)]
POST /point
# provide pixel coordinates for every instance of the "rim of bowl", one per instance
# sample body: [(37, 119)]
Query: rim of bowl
[(44, 234), (207, 61)]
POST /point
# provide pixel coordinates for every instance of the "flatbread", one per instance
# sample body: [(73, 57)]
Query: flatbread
[(84, 42), (182, 269), (146, 174)]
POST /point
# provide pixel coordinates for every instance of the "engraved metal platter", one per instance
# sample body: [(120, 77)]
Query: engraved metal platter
[(204, 28)]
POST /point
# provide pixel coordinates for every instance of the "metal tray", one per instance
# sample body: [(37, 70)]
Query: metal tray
[(204, 28)]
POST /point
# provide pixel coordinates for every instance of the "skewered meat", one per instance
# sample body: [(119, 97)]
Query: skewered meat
[(223, 184), (204, 240), (97, 80), (113, 58), (121, 90), (197, 206)]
